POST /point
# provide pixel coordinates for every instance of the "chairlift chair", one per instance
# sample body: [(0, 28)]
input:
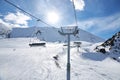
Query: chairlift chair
[(35, 41), (37, 44)]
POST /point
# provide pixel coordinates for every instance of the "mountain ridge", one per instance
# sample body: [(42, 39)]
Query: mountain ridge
[(51, 34)]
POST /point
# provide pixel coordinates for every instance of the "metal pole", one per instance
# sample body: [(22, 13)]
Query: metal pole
[(68, 59)]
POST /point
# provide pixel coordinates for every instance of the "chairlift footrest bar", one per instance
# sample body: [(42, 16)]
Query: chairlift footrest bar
[(37, 44)]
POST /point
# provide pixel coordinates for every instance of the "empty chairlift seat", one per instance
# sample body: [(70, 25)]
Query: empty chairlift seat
[(35, 41), (37, 44)]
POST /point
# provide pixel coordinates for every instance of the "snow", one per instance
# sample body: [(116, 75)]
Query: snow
[(18, 61)]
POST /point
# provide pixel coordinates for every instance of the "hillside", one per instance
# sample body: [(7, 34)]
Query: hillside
[(111, 47), (51, 34), (19, 61)]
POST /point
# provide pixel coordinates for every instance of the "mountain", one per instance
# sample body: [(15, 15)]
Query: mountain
[(111, 46), (51, 34)]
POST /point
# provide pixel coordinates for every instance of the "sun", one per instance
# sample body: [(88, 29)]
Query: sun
[(53, 17)]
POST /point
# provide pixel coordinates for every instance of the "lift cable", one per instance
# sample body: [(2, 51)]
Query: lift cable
[(38, 19), (75, 13)]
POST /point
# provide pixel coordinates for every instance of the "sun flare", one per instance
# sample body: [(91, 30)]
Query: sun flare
[(53, 17)]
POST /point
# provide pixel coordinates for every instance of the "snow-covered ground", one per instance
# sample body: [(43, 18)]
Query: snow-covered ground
[(18, 61)]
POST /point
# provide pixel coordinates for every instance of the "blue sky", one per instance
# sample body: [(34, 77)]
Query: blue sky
[(99, 17)]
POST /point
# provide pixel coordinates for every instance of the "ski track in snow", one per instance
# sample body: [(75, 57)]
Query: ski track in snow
[(21, 62)]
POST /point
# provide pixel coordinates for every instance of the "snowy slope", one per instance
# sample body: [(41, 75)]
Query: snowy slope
[(51, 34), (111, 47), (18, 61)]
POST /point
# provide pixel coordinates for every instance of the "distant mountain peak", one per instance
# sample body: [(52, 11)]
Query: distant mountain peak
[(51, 34), (112, 46), (112, 41)]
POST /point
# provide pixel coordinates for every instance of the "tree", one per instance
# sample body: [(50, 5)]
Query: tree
[(4, 30)]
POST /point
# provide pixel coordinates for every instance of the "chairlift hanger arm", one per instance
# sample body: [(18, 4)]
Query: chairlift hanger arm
[(75, 15)]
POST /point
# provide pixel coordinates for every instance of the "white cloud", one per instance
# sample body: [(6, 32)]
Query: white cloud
[(11, 25), (19, 26), (17, 18), (12, 20), (6, 27), (5, 23), (101, 24), (79, 4)]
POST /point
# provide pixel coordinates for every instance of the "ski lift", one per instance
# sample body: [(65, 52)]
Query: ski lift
[(37, 44), (35, 40)]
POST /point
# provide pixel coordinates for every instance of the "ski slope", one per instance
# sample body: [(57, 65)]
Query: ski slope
[(18, 61)]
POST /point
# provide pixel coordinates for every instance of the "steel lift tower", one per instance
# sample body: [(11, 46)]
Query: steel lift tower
[(70, 30)]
